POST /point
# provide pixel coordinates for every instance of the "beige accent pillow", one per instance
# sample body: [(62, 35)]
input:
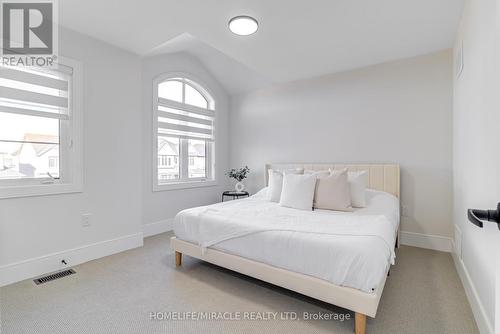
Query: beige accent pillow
[(333, 192), (358, 182)]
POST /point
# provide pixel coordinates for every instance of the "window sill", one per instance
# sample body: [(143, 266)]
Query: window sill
[(183, 185), (31, 190)]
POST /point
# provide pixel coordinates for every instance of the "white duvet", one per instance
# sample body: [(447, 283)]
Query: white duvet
[(350, 249)]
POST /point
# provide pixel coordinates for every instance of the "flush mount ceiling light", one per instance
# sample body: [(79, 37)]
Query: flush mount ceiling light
[(243, 25)]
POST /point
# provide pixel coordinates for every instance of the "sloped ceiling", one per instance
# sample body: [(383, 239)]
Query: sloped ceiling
[(235, 77), (295, 40)]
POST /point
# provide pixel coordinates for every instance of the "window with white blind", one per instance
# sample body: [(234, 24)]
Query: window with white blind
[(184, 122), (39, 130)]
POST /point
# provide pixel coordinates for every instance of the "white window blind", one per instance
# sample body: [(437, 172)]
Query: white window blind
[(35, 92), (182, 118), (41, 119)]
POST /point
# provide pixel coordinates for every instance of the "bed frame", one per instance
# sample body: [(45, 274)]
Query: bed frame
[(379, 177)]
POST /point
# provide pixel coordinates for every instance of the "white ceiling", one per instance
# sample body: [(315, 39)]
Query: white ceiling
[(235, 77), (296, 38)]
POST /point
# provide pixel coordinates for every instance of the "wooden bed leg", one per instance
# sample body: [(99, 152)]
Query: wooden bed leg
[(178, 259), (359, 323)]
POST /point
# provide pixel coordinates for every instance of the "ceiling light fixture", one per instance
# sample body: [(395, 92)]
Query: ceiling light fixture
[(243, 25)]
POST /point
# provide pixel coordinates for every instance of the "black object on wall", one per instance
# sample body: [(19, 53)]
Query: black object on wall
[(477, 216)]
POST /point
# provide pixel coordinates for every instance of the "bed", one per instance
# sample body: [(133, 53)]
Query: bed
[(289, 247)]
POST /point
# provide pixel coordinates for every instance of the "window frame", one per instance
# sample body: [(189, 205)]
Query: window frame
[(210, 150), (70, 156)]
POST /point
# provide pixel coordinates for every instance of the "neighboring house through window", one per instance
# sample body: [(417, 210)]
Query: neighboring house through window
[(53, 162), (184, 115)]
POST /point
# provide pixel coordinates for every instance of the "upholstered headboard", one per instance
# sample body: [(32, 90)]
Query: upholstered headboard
[(384, 177)]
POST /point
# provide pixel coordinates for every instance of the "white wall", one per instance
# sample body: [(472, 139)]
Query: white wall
[(399, 112), (39, 226), (37, 232), (163, 205), (476, 162)]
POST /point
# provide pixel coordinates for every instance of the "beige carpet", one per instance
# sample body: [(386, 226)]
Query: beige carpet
[(116, 294)]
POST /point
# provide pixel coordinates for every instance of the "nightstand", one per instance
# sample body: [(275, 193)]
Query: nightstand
[(235, 194)]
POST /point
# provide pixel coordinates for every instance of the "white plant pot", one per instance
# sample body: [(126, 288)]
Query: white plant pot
[(239, 186)]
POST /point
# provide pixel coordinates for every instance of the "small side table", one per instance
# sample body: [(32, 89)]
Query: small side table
[(235, 194)]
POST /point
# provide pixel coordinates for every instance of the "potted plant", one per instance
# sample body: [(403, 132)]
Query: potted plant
[(239, 175)]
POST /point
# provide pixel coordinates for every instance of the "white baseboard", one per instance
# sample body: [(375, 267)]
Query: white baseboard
[(483, 323), (158, 227), (19, 271), (434, 242)]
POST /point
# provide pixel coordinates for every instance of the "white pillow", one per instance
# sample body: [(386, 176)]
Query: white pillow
[(274, 185), (357, 183), (318, 173), (276, 182), (362, 174), (298, 191)]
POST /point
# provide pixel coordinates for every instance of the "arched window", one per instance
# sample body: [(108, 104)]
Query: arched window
[(184, 114)]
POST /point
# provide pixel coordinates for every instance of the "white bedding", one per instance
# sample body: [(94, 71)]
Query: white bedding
[(352, 249)]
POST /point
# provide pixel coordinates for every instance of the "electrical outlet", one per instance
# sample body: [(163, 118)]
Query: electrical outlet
[(86, 219), (405, 210)]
